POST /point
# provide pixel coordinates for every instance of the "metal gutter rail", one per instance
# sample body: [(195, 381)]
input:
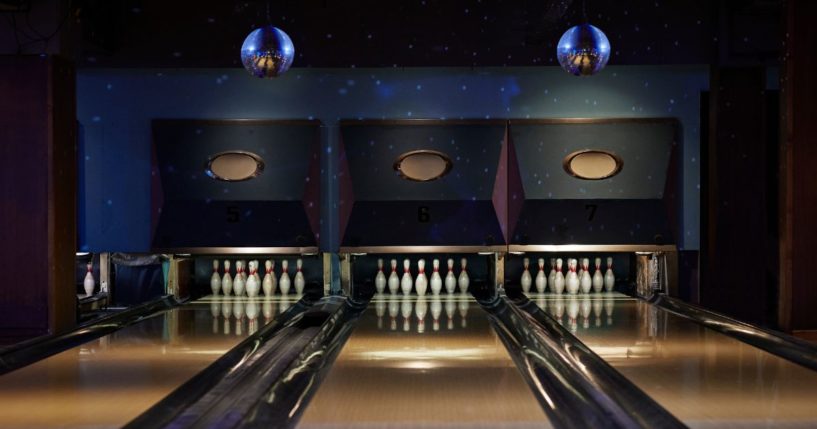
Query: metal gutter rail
[(777, 343), (241, 389), (643, 411), (31, 351), (575, 387)]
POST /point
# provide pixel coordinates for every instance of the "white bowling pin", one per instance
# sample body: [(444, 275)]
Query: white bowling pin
[(609, 276), (252, 281), (269, 277), (559, 278), (394, 279), (463, 279), (450, 279), (541, 280), (243, 271), (525, 281), (227, 280), (572, 279), (88, 283), (552, 275), (300, 282), (421, 283), (406, 281), (380, 278), (598, 278), (256, 267), (585, 282), (436, 280), (238, 284), (284, 283), (215, 279)]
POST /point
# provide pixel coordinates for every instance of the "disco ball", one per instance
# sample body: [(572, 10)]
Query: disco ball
[(583, 50), (267, 52)]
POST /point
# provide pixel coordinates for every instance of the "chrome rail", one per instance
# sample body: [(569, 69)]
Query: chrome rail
[(575, 388), (268, 378), (777, 343), (28, 352), (642, 410)]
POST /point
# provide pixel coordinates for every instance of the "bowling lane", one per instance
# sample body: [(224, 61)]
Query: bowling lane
[(424, 362), (109, 381), (703, 377)]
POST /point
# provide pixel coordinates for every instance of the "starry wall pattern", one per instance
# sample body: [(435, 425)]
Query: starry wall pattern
[(116, 107)]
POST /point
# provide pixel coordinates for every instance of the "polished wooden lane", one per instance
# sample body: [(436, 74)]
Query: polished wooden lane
[(705, 378), (424, 362), (109, 381)]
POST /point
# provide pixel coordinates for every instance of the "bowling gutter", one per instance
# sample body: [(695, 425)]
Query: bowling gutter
[(37, 349), (268, 379), (565, 375)]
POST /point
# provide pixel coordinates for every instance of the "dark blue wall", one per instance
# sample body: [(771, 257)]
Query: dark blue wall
[(116, 107)]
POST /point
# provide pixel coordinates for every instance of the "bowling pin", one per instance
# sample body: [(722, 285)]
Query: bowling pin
[(252, 280), (284, 283), (380, 278), (243, 271), (450, 279), (421, 283), (215, 279), (585, 282), (572, 279), (300, 282), (559, 278), (436, 280), (89, 282), (394, 280), (598, 278), (526, 281), (227, 280), (463, 279), (269, 278), (609, 276), (238, 284), (552, 274), (541, 280), (406, 281)]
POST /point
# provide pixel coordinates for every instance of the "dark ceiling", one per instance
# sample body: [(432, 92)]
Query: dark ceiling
[(387, 33)]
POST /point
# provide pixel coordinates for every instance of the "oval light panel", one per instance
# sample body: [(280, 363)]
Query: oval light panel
[(234, 166), (592, 164), (423, 165)]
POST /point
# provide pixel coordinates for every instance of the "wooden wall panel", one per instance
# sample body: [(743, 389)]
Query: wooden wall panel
[(798, 169), (38, 183)]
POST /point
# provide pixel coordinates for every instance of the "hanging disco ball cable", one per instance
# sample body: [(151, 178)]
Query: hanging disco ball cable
[(583, 50), (267, 51)]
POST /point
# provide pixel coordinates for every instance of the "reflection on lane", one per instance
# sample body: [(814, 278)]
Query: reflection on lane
[(110, 380), (395, 372), (411, 312), (705, 378)]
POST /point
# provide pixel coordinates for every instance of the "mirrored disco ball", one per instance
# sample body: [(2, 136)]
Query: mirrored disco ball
[(267, 52), (583, 50)]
